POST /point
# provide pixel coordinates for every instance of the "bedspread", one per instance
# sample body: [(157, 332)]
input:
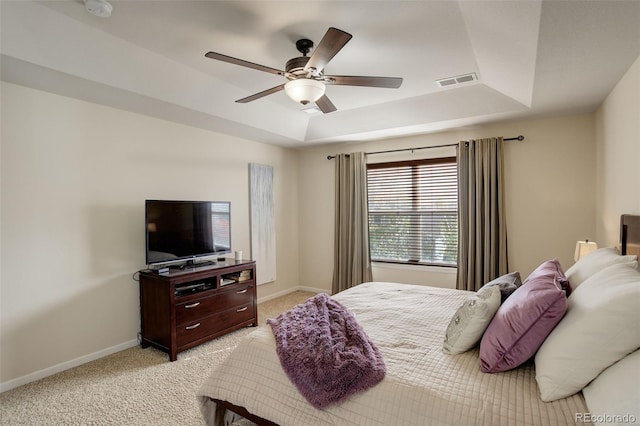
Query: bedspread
[(422, 386)]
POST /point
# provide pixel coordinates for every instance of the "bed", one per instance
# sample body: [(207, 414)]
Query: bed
[(426, 385)]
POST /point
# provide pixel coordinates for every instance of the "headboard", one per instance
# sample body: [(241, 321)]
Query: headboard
[(630, 234)]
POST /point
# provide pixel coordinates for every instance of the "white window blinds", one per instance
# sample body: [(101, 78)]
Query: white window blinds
[(413, 211)]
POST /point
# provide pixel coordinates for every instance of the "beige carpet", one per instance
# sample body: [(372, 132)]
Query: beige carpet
[(133, 387)]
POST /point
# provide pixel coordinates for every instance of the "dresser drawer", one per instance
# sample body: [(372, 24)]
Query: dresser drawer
[(195, 309), (212, 324)]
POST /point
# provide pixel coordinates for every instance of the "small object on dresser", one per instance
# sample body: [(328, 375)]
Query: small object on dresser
[(193, 288), (226, 281)]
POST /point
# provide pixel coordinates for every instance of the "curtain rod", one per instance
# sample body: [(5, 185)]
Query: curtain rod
[(515, 138)]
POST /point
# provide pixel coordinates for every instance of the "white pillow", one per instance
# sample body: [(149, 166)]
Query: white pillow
[(471, 320), (596, 261), (616, 392), (601, 326)]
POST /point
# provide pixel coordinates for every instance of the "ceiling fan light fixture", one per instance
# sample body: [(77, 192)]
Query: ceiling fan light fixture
[(304, 90)]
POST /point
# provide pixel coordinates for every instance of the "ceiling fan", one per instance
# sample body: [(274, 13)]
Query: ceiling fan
[(305, 73)]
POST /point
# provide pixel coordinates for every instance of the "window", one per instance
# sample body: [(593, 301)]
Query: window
[(413, 211)]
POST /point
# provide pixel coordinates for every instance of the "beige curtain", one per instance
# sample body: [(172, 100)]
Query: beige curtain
[(352, 264), (482, 230)]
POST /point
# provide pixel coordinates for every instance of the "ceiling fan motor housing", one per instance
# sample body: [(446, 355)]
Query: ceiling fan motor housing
[(296, 66)]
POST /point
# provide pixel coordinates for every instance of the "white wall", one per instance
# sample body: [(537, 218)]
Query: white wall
[(618, 156), (74, 179), (549, 184)]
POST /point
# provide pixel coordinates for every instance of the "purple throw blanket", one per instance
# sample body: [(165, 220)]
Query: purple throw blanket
[(325, 352)]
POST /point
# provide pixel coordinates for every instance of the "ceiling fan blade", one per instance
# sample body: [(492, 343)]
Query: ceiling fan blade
[(241, 62), (329, 46), (354, 80), (325, 105), (261, 94)]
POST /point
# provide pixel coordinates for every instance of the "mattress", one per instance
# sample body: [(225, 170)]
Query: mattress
[(423, 385)]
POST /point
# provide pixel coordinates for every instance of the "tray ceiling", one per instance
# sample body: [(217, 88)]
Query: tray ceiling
[(531, 58)]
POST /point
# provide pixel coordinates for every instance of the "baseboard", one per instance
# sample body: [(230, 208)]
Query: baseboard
[(313, 290), (41, 374), (291, 290)]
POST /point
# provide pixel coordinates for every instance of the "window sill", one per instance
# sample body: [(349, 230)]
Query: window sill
[(414, 267)]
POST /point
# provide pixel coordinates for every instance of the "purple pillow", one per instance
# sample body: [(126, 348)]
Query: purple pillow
[(551, 269), (524, 320)]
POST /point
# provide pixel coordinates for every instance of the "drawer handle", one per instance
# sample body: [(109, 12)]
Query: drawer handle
[(242, 309), (193, 305), (242, 291), (191, 327)]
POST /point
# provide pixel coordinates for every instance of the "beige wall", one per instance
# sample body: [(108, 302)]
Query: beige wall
[(618, 156), (74, 179), (550, 195)]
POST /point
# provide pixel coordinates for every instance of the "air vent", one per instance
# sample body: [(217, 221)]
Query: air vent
[(451, 81)]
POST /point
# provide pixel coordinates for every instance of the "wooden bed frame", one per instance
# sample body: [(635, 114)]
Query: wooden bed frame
[(629, 244), (221, 406), (630, 234)]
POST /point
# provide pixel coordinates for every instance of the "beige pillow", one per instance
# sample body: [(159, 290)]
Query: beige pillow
[(471, 320)]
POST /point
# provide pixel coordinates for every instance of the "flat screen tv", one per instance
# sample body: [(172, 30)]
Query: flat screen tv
[(186, 230)]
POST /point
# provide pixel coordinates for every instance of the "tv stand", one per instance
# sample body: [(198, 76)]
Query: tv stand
[(183, 308)]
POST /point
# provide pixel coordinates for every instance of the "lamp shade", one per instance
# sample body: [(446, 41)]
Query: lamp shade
[(304, 90), (583, 248)]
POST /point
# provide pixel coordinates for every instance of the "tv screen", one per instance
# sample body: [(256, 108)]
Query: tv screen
[(178, 230)]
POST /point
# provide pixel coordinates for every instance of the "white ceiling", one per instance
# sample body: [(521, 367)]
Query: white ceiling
[(532, 58)]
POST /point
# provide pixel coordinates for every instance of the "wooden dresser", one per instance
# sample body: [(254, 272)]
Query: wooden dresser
[(184, 308)]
